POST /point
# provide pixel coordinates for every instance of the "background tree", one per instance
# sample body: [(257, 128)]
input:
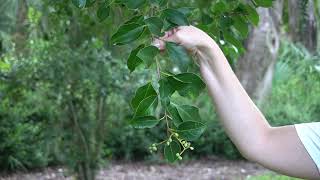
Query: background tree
[(255, 68)]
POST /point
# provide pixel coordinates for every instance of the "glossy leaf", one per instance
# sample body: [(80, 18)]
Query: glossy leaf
[(241, 26), (79, 3), (144, 122), (232, 40), (178, 55), (174, 114), (193, 84), (103, 12), (144, 98), (159, 2), (155, 25), (171, 151), (133, 60), (133, 4), (165, 90), (136, 19), (191, 130), (148, 54), (175, 17), (127, 33), (252, 15), (188, 113)]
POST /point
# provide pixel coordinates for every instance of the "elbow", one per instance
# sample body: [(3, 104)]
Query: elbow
[(255, 148)]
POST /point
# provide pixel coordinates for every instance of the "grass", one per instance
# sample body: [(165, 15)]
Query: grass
[(271, 176)]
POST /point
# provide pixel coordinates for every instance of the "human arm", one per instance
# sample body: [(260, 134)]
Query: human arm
[(277, 148)]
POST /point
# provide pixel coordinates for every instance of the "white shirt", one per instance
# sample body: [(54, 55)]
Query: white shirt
[(309, 134)]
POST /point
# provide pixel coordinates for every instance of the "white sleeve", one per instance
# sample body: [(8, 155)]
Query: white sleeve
[(309, 134)]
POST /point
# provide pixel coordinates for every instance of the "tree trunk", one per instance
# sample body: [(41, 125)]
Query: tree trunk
[(255, 68), (302, 23)]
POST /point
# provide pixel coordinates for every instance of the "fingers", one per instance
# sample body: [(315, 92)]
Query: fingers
[(169, 36), (160, 44)]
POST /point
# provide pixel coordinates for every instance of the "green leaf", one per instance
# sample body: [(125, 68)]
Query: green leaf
[(144, 98), (133, 4), (178, 55), (127, 33), (241, 26), (165, 90), (133, 60), (103, 12), (175, 17), (144, 122), (191, 130), (136, 19), (264, 3), (155, 25), (145, 104), (219, 7), (189, 113), (171, 151), (159, 2), (192, 84), (148, 54), (79, 3), (186, 11), (173, 111), (232, 40), (252, 15)]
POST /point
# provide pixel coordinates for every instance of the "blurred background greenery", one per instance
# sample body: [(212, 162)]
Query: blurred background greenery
[(59, 74)]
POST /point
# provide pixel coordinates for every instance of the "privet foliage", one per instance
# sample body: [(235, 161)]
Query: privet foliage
[(227, 21)]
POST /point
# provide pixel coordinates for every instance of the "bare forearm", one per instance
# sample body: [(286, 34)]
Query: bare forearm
[(276, 148), (240, 117)]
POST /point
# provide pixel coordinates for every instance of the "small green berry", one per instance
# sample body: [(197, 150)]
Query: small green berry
[(154, 149), (168, 143), (177, 154), (191, 148), (180, 158), (176, 134), (170, 140)]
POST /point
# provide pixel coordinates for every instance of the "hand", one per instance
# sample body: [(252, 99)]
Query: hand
[(190, 37)]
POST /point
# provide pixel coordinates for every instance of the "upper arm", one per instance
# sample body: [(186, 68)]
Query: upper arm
[(283, 152)]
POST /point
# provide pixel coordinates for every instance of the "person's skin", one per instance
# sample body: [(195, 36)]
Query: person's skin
[(277, 148)]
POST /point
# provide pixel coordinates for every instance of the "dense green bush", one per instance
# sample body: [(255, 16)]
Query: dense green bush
[(295, 94)]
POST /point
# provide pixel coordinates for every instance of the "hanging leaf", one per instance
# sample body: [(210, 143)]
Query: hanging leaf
[(144, 98), (192, 84), (174, 114), (228, 37), (144, 122), (175, 17), (178, 55), (133, 4), (165, 90), (127, 33), (148, 54), (136, 19), (252, 14), (189, 113), (79, 3), (191, 130), (155, 25), (103, 12), (241, 26), (171, 151), (133, 60)]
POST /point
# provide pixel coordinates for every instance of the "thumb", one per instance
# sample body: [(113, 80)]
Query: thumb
[(171, 36)]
